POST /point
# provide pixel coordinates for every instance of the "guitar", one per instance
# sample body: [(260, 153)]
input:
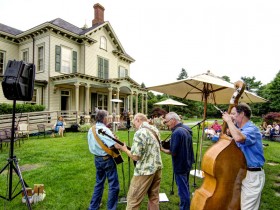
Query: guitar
[(101, 131)]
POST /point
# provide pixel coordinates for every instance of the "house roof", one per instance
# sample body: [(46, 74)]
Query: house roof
[(81, 34), (9, 30)]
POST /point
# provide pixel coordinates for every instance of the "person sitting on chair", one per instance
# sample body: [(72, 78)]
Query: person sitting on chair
[(59, 126)]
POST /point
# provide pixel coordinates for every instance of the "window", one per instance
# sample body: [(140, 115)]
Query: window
[(34, 97), (25, 56), (2, 64), (103, 43), (65, 60), (40, 66), (103, 68), (122, 71), (102, 101)]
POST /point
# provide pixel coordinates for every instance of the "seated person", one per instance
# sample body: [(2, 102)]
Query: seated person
[(275, 130), (59, 126), (267, 131), (210, 132), (216, 126)]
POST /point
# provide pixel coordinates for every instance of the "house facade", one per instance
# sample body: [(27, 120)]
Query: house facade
[(78, 69)]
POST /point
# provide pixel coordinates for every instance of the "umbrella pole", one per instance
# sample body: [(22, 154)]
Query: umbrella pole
[(203, 133)]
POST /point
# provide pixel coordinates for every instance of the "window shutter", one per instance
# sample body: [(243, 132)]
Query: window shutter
[(126, 72), (106, 69), (100, 65), (57, 58), (74, 62), (119, 72)]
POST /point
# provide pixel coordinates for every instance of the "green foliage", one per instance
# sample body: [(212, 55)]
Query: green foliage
[(251, 83), (182, 75), (84, 127), (20, 108)]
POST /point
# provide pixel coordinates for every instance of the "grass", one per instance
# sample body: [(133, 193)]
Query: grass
[(65, 166)]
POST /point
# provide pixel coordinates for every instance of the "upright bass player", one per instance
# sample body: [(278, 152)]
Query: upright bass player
[(249, 139)]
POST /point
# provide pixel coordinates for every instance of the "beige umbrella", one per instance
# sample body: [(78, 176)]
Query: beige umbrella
[(206, 88), (170, 102)]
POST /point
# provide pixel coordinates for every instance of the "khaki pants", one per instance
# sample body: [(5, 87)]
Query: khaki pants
[(251, 190), (142, 185)]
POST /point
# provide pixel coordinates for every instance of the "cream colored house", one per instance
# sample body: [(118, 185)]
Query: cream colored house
[(76, 68)]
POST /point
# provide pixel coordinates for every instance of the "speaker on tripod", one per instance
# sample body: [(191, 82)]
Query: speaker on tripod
[(17, 84)]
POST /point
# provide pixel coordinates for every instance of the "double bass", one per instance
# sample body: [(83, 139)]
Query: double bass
[(224, 167)]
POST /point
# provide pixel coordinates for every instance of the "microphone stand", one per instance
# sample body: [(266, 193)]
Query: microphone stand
[(128, 126), (197, 145)]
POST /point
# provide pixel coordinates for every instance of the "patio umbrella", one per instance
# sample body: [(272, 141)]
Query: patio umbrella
[(170, 102), (207, 88)]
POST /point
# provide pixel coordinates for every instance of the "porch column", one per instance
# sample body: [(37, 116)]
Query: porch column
[(131, 104), (142, 103), (87, 99), (109, 101), (146, 104), (77, 86), (118, 106), (136, 103)]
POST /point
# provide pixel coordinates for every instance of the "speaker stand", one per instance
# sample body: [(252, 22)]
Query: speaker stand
[(12, 165)]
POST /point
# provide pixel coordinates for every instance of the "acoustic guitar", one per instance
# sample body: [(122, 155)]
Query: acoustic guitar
[(119, 157)]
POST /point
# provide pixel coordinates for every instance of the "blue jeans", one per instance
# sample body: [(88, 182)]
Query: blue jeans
[(182, 181), (105, 168)]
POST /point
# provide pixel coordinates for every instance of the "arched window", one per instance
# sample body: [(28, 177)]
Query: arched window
[(103, 43)]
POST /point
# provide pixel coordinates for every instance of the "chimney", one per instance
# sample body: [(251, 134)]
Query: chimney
[(98, 14)]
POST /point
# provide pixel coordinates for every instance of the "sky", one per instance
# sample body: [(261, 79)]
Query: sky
[(234, 38)]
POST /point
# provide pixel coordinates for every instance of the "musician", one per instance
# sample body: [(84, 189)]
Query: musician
[(147, 172), (181, 150), (249, 139), (104, 164)]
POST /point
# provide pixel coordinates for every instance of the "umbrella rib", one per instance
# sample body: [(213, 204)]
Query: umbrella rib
[(190, 90)]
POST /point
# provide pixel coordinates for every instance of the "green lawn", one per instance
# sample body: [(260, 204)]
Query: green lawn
[(65, 167)]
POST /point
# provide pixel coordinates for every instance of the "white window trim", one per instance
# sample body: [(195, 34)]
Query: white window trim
[(43, 65)]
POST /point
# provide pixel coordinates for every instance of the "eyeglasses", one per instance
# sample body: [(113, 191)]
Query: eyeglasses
[(166, 121)]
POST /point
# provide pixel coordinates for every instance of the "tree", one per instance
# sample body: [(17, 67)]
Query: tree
[(272, 93), (183, 75), (226, 78), (251, 84)]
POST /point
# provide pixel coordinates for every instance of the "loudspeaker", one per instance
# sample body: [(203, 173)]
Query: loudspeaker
[(18, 81)]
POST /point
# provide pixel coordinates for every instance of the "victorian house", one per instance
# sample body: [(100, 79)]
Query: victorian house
[(78, 69)]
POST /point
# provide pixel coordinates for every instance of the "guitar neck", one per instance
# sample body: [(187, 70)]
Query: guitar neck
[(116, 140)]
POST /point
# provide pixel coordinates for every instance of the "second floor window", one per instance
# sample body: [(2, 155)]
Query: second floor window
[(66, 60), (2, 65), (122, 72), (103, 68), (25, 56), (40, 66)]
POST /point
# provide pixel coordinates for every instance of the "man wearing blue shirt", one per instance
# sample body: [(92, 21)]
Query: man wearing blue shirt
[(104, 163), (181, 150), (249, 139)]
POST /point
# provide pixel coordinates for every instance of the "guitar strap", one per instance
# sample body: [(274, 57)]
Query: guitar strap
[(103, 146), (154, 133)]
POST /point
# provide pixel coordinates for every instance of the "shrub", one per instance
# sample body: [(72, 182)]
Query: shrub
[(6, 108), (271, 117)]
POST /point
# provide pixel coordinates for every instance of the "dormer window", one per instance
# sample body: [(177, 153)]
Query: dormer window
[(103, 43)]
